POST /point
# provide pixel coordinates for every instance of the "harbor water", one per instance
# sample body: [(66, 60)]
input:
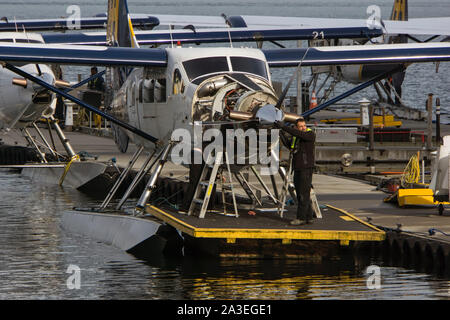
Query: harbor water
[(38, 257)]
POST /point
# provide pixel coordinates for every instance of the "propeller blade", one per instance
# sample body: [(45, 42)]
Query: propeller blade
[(38, 69), (62, 84), (20, 82)]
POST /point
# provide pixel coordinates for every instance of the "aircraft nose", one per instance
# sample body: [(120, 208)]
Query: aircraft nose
[(46, 77)]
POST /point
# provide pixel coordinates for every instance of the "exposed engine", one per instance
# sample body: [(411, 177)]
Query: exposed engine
[(244, 102), (221, 94)]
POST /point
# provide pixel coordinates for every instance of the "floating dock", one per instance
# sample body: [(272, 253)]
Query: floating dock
[(258, 235)]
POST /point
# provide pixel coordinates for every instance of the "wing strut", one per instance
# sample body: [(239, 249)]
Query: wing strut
[(80, 103), (79, 84)]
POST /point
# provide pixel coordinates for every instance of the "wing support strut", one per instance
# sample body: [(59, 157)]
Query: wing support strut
[(80, 103), (79, 84)]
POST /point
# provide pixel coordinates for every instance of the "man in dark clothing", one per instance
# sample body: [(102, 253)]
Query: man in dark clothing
[(303, 140), (97, 83)]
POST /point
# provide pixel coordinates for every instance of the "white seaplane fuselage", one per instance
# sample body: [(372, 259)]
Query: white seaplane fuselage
[(196, 85), (28, 102)]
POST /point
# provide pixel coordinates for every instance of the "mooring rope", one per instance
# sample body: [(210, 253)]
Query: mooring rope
[(411, 173)]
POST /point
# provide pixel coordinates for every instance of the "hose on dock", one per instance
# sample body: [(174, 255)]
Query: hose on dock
[(411, 173), (433, 231)]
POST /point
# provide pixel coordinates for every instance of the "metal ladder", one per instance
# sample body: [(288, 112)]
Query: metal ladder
[(315, 204), (209, 183), (285, 187), (230, 187)]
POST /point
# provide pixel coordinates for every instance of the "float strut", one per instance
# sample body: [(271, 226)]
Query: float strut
[(121, 178), (152, 181), (142, 172)]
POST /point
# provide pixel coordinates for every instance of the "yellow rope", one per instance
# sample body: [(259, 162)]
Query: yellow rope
[(411, 173), (67, 167)]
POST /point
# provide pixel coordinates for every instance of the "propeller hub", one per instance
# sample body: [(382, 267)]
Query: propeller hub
[(268, 114)]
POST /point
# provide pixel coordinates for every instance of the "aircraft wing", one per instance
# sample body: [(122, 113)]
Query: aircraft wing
[(418, 26), (343, 55), (114, 56), (421, 26), (82, 55), (98, 22), (217, 35), (184, 20)]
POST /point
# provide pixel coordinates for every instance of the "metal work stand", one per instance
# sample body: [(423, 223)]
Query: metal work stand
[(230, 187), (315, 204), (266, 189), (209, 183), (246, 186), (284, 190)]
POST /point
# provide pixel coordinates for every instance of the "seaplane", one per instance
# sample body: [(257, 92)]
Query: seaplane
[(22, 104), (153, 93), (25, 103), (241, 28), (318, 32), (399, 28)]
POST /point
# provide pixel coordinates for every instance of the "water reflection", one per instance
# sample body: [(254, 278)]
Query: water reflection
[(35, 254)]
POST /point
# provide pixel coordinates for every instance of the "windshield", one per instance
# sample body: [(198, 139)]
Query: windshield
[(203, 66), (197, 67), (250, 65)]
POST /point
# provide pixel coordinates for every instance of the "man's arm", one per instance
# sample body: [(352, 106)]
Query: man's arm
[(306, 136)]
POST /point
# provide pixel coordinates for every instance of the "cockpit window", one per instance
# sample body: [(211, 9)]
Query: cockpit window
[(250, 65), (197, 67)]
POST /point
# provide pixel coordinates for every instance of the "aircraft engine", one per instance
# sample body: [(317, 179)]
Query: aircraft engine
[(219, 95), (22, 101), (240, 102), (357, 74)]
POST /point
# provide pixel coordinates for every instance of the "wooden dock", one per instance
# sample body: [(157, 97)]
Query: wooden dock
[(252, 235)]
